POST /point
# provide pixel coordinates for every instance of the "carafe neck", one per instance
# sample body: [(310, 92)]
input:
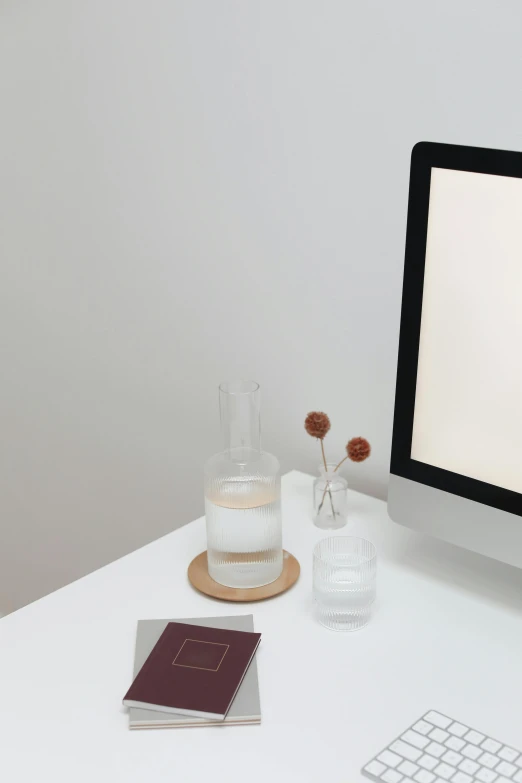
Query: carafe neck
[(239, 404)]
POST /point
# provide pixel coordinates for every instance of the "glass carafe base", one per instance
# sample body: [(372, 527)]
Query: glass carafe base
[(245, 570), (244, 546)]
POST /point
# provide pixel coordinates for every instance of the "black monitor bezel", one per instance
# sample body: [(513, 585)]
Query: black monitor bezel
[(425, 156)]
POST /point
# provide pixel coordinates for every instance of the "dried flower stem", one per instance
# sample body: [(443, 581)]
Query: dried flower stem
[(341, 462), (327, 488), (357, 449), (324, 455), (336, 468)]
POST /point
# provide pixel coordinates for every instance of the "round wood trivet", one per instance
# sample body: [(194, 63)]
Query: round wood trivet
[(201, 580)]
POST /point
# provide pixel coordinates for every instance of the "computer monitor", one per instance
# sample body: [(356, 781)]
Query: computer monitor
[(456, 465)]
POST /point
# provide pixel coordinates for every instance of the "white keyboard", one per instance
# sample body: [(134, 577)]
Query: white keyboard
[(438, 749)]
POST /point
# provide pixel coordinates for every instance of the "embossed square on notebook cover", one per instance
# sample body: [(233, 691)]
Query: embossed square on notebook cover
[(195, 654)]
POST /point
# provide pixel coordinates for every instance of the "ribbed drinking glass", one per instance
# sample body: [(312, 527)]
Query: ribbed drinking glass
[(344, 582)]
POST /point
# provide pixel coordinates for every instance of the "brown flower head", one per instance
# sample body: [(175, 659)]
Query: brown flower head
[(317, 424), (358, 449)]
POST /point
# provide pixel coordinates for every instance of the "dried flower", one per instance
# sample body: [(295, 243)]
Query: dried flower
[(358, 449), (317, 424)]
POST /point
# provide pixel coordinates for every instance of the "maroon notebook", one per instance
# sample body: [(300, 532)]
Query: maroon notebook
[(193, 670)]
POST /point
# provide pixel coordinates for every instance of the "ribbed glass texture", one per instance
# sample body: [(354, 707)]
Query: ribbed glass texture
[(243, 497), (344, 578)]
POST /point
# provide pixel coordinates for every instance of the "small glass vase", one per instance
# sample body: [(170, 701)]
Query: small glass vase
[(330, 499)]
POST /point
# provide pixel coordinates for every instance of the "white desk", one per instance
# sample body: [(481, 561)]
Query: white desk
[(447, 634)]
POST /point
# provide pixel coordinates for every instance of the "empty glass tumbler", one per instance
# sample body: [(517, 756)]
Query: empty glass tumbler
[(344, 582), (243, 496), (330, 499)]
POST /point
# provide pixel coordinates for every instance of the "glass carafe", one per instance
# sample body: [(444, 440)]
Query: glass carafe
[(243, 496)]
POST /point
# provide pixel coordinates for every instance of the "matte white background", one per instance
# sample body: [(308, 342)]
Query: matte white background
[(469, 379), (191, 191)]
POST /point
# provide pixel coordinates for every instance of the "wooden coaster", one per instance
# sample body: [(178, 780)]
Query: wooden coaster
[(201, 580)]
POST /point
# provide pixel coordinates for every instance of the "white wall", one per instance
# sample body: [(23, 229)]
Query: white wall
[(191, 191)]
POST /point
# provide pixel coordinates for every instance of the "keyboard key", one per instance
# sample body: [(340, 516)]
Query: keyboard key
[(428, 762), (492, 746), (436, 750), (403, 749), (461, 777), (452, 758), (423, 776), (518, 777), (417, 740), (505, 768), (454, 743), (486, 775), (375, 768), (439, 735), (468, 766), (508, 754), (458, 729), (471, 752), (422, 727), (408, 768), (391, 776), (388, 758), (438, 720), (474, 737), (445, 771), (502, 780), (488, 760)]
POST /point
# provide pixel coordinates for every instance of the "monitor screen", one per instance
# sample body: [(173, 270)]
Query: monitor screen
[(468, 400)]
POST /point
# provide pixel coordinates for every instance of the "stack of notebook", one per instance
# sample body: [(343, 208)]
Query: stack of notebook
[(195, 672)]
